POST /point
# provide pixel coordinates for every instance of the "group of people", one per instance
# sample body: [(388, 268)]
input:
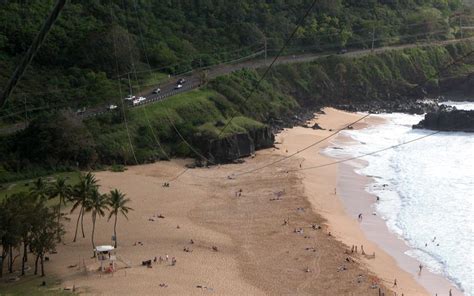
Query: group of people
[(165, 259)]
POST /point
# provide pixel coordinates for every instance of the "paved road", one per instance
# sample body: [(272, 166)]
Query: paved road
[(193, 79)]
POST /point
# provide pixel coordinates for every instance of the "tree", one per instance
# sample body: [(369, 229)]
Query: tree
[(118, 204), (40, 189), (10, 230), (27, 215), (63, 192), (81, 192), (97, 203), (44, 234)]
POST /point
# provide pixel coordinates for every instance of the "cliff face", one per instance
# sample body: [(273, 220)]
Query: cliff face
[(239, 145), (448, 119)]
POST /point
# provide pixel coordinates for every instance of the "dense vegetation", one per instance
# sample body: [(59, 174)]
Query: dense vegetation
[(30, 224), (77, 64), (95, 41), (154, 131)]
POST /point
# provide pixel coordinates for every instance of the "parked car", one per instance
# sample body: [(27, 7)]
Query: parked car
[(112, 107), (156, 90), (342, 51), (178, 86), (141, 99), (81, 111), (136, 102), (129, 98), (181, 81)]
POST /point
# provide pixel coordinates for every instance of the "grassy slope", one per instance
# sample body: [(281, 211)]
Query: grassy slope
[(199, 114), (195, 115), (26, 184)]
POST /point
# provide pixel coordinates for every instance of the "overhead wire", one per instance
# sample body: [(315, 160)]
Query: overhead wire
[(300, 22), (455, 61), (145, 113), (301, 150), (121, 95), (184, 140), (365, 154)]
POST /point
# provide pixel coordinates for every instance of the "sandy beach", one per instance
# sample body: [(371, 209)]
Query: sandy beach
[(257, 242)]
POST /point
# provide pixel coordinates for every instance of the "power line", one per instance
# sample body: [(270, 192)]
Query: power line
[(32, 50), (121, 97), (186, 142), (300, 22), (366, 154), (301, 150), (136, 78), (327, 137)]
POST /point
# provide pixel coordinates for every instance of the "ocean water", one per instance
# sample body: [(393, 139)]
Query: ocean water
[(426, 191)]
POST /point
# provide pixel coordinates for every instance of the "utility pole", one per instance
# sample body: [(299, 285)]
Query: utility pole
[(26, 112), (265, 41), (373, 37), (129, 84), (460, 25)]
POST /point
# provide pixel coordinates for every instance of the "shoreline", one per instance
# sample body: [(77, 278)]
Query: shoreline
[(319, 187), (256, 252), (351, 184), (239, 243)]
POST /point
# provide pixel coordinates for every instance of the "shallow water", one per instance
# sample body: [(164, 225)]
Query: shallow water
[(426, 191)]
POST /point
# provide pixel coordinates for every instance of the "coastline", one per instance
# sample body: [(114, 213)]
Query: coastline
[(257, 253), (355, 199), (320, 187)]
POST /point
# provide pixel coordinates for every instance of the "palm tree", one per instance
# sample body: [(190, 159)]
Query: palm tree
[(40, 189), (97, 204), (87, 184), (118, 203), (63, 191)]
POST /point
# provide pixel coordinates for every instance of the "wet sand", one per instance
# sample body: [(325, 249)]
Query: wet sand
[(320, 188)]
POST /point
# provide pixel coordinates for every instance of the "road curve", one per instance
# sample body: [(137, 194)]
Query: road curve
[(193, 78)]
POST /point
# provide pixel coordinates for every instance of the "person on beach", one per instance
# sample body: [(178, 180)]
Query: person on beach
[(360, 217), (450, 292), (421, 268), (394, 282)]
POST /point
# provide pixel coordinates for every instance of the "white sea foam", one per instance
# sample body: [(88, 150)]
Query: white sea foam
[(426, 190)]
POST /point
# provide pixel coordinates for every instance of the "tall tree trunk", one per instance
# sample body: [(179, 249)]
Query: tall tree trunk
[(36, 264), (26, 246), (42, 264), (2, 258), (10, 262), (59, 219), (25, 258), (115, 231), (93, 231), (82, 224), (77, 225)]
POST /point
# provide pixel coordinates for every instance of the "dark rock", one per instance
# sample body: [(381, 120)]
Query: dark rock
[(448, 119), (317, 127), (228, 149)]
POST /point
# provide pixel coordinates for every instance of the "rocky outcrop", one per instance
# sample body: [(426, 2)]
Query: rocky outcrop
[(410, 107), (448, 119), (240, 145)]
